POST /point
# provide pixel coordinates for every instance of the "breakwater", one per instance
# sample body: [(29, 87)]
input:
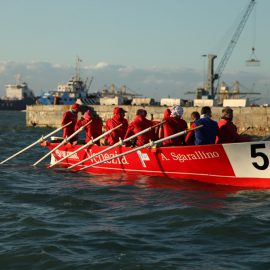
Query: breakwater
[(255, 119)]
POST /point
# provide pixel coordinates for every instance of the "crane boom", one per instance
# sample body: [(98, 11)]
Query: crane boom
[(233, 41)]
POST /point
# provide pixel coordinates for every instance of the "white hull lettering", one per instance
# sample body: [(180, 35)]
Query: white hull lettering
[(194, 156), (62, 154), (163, 157), (99, 158)]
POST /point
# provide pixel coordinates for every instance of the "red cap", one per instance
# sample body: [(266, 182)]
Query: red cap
[(118, 110), (75, 107)]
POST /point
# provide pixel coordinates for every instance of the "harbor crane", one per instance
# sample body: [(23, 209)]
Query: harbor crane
[(210, 86), (90, 83)]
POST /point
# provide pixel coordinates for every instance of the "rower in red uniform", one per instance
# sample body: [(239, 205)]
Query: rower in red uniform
[(227, 129), (139, 123), (94, 129), (72, 116), (155, 130), (174, 124), (166, 116), (117, 119), (190, 136)]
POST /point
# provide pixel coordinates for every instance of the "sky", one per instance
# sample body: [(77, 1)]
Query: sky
[(155, 47)]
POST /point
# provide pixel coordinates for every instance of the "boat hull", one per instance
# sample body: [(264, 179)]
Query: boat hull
[(239, 164), (15, 104)]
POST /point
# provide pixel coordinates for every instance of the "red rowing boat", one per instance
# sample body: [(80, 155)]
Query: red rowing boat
[(239, 164)]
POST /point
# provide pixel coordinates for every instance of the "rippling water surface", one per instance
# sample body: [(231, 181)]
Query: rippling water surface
[(54, 219)]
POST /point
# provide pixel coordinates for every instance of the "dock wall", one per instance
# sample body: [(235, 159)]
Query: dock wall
[(255, 119)]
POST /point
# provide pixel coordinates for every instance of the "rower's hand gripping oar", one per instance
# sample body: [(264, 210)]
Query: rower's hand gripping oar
[(66, 140), (36, 142), (150, 144), (91, 142), (121, 142)]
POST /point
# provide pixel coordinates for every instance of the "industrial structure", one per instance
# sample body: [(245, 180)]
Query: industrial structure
[(212, 89)]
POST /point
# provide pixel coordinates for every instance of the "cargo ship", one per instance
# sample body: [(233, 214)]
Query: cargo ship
[(78, 90), (17, 97), (75, 90), (66, 94)]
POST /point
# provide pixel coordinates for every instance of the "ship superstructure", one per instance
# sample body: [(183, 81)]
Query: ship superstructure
[(17, 96)]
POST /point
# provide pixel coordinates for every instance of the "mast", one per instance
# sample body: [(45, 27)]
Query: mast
[(77, 71)]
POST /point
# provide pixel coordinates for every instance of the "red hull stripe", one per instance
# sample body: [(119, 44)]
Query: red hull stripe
[(241, 164)]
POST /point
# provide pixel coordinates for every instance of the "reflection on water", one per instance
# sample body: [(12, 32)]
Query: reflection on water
[(181, 191), (142, 181)]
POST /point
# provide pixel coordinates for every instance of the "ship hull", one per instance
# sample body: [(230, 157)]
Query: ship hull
[(15, 105), (240, 164)]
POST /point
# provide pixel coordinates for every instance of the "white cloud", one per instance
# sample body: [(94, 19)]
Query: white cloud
[(57, 66), (2, 69), (101, 65), (126, 69)]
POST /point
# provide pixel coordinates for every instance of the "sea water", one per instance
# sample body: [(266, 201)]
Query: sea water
[(55, 219)]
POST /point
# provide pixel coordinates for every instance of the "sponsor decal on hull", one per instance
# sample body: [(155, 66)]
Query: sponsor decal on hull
[(62, 154), (143, 157)]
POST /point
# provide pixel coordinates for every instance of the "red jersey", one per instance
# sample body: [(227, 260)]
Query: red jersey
[(93, 130), (172, 126), (67, 117), (228, 133), (138, 124), (155, 131), (120, 132), (190, 136)]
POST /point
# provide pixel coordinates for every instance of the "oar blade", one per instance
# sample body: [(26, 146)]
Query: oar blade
[(63, 142), (34, 143)]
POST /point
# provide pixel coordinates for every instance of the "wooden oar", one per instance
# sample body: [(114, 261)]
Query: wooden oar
[(34, 143), (66, 140), (91, 142), (121, 142), (150, 144)]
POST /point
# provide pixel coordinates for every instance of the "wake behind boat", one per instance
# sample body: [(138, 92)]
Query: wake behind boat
[(238, 164)]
